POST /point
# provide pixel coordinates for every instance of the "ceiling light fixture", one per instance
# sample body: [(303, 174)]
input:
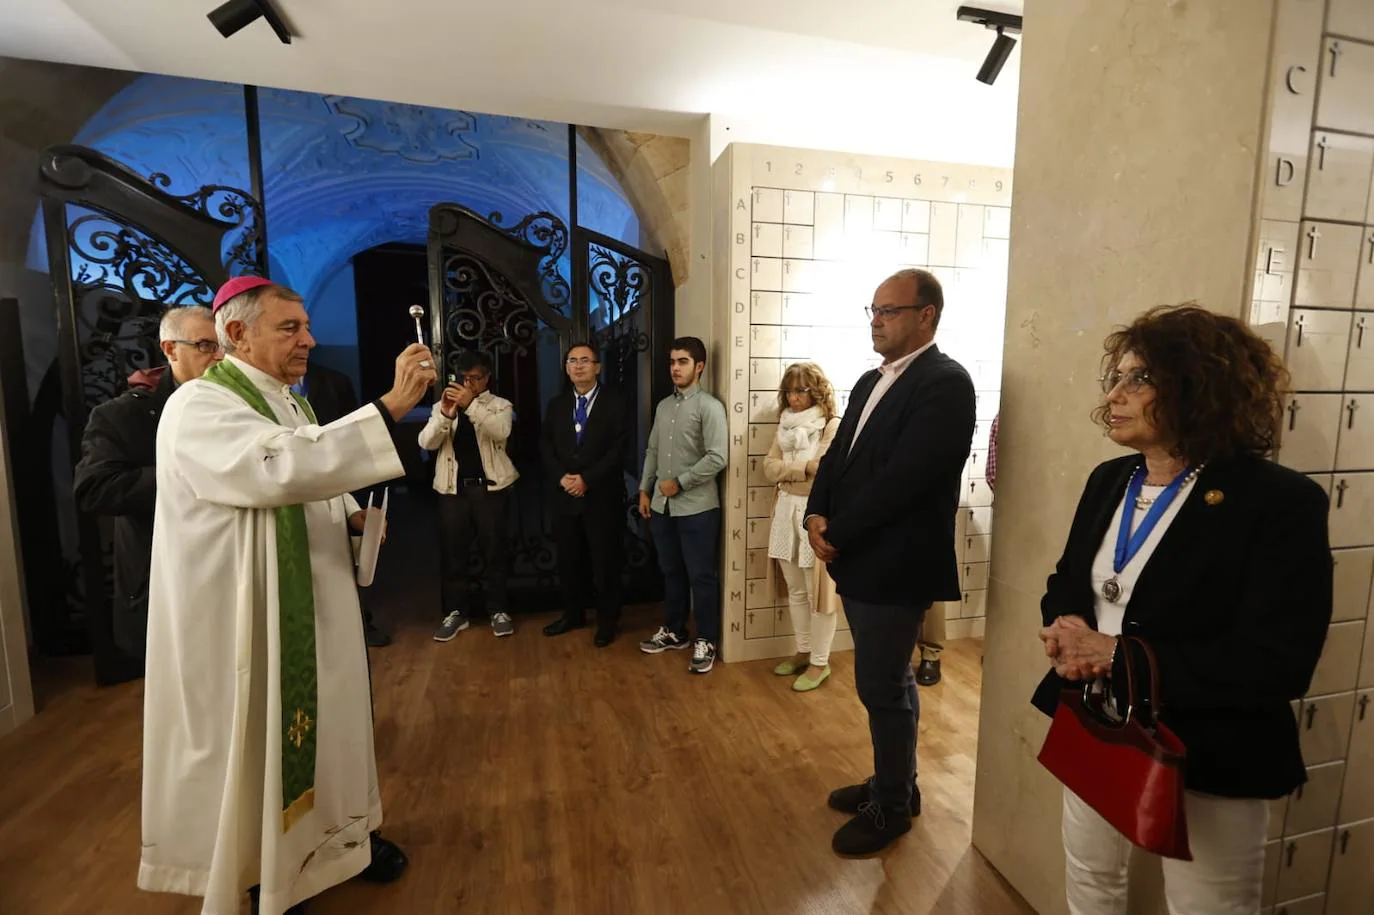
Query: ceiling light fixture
[(1001, 46), (232, 16)]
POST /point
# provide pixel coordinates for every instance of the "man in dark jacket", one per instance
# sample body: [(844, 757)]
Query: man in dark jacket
[(116, 474), (881, 514)]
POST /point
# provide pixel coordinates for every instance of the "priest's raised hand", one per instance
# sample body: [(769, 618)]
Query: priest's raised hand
[(415, 374), (254, 630)]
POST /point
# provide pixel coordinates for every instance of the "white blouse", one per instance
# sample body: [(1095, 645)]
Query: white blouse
[(1110, 615)]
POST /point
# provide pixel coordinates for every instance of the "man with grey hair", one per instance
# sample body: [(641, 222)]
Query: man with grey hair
[(259, 769), (116, 475)]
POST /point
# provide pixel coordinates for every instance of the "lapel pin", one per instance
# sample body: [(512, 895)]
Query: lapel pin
[(1214, 497)]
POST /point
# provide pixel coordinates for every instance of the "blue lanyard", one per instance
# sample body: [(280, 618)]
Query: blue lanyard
[(1128, 544)]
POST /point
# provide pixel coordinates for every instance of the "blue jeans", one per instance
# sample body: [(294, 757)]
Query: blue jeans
[(688, 549), (884, 639)]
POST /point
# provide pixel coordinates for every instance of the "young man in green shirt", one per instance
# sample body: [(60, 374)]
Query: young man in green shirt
[(685, 453)]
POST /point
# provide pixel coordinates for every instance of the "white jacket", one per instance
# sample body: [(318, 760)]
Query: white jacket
[(491, 417)]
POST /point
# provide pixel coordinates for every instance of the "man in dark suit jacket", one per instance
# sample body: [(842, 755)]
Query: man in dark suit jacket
[(117, 475), (583, 446), (881, 514)]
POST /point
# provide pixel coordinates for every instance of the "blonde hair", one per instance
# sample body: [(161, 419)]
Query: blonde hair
[(808, 375)]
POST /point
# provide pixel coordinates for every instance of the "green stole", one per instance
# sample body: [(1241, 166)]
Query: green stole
[(296, 617)]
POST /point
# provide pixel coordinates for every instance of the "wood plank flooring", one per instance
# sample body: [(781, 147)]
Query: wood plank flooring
[(537, 775)]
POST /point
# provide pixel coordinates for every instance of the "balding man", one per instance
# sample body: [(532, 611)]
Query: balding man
[(116, 475), (259, 772), (881, 514)]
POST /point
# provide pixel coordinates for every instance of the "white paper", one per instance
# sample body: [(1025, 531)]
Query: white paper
[(374, 527)]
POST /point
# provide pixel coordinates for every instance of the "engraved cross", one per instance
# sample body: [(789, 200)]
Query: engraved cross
[(1323, 145), (1312, 235)]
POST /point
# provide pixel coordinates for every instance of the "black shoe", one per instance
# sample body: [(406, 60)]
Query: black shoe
[(297, 909), (564, 624), (603, 637), (376, 638), (388, 861), (928, 673), (872, 829), (851, 798)]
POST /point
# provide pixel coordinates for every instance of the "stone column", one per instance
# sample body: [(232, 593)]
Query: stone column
[(1141, 130)]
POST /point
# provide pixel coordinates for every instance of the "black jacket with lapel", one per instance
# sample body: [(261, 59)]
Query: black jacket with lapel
[(1234, 602), (890, 501), (330, 394), (599, 458)]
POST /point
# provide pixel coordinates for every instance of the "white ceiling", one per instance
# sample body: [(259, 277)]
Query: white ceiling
[(880, 76)]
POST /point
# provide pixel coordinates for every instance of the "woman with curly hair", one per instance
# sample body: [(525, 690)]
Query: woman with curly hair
[(1216, 559), (806, 425)]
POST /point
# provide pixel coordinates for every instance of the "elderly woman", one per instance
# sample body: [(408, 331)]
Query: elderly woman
[(806, 425), (1218, 560)]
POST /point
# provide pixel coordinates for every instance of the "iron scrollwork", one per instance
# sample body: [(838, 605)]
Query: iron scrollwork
[(241, 211), (621, 286), (547, 233), (484, 310)]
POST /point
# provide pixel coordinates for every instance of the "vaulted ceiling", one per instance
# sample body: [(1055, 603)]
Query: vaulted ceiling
[(865, 73)]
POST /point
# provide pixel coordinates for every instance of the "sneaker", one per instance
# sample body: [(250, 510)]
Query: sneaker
[(453, 624), (703, 657), (663, 640), (501, 624)]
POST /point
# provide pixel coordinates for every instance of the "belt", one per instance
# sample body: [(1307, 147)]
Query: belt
[(464, 482)]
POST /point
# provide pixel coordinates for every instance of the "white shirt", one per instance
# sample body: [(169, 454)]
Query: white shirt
[(1110, 615), (888, 373)]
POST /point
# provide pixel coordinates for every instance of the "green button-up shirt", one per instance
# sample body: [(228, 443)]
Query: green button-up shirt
[(688, 443)]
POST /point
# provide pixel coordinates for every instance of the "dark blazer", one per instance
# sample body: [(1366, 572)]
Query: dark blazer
[(330, 394), (599, 458), (1234, 602), (890, 502), (117, 477)]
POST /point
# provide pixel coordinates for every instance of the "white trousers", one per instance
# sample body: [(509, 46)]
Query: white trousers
[(1226, 836), (814, 631)]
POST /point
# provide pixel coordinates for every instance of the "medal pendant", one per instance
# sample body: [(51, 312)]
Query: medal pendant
[(1111, 590), (577, 427)]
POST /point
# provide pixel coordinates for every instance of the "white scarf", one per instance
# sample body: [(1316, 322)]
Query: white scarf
[(799, 433)]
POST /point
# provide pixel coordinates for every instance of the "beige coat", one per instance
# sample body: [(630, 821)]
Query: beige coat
[(796, 477), (491, 417)]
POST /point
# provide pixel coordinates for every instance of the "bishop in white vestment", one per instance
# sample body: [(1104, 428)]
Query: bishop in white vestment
[(259, 768)]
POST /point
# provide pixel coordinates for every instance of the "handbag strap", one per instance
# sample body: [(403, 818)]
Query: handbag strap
[(1151, 662)]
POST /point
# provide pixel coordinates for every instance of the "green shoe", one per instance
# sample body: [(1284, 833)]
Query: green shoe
[(805, 684), (792, 665)]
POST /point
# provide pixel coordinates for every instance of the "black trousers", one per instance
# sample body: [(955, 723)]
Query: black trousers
[(590, 556), (884, 639), (474, 516)]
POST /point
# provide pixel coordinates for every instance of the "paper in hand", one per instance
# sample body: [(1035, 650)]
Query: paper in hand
[(374, 526)]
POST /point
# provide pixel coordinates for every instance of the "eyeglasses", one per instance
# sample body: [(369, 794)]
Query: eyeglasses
[(1131, 382), (204, 347), (890, 311), (581, 360)]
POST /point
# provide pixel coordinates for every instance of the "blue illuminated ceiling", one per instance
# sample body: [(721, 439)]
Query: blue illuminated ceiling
[(342, 175)]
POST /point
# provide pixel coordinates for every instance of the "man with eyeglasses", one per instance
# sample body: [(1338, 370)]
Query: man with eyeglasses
[(469, 427), (116, 475), (881, 514), (583, 443)]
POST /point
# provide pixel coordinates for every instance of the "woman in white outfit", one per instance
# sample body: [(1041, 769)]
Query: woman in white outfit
[(805, 429)]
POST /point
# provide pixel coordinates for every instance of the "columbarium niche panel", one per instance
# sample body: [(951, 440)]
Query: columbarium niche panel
[(811, 235), (1316, 243)]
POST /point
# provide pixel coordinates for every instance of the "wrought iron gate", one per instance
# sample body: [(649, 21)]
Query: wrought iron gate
[(121, 250), (502, 290)]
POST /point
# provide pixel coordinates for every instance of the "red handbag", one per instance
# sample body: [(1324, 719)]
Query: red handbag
[(1129, 770)]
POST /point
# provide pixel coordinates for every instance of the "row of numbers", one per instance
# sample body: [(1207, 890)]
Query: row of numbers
[(888, 176)]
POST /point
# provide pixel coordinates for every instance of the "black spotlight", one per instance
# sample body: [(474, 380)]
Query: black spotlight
[(230, 17), (1001, 47), (992, 64)]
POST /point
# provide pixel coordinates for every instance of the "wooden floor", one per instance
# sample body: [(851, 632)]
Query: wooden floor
[(536, 775)]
